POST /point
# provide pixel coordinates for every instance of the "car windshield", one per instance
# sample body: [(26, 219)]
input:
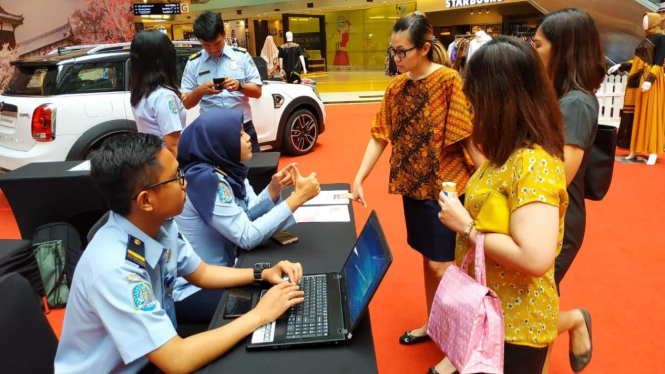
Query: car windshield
[(32, 80)]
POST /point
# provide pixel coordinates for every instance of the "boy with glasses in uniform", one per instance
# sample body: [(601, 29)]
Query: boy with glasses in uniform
[(120, 312)]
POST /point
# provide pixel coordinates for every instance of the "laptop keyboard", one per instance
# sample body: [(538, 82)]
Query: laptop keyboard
[(309, 319)]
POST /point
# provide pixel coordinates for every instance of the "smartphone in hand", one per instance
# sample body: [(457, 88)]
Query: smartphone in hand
[(218, 83), (285, 238)]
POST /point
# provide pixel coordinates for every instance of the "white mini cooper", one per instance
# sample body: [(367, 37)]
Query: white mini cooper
[(62, 105)]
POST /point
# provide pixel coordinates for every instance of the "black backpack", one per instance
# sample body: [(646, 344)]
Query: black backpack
[(57, 250)]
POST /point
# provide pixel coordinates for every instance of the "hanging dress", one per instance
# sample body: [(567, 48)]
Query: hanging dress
[(642, 127)]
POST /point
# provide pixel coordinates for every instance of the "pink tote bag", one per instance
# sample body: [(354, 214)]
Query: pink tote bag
[(466, 321)]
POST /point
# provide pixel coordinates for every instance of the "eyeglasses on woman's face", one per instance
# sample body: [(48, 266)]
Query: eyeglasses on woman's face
[(401, 53), (180, 177)]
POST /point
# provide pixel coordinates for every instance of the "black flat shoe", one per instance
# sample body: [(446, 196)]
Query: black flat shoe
[(408, 339), (579, 362)]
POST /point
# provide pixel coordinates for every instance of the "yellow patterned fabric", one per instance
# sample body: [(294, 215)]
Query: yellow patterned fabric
[(424, 121), (530, 305)]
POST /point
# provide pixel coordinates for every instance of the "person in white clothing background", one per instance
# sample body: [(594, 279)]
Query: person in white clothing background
[(480, 39)]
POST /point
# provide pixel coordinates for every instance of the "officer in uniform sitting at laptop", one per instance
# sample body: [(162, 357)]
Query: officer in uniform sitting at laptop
[(120, 312)]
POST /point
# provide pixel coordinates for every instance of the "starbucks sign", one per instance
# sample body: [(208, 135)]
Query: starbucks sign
[(463, 3)]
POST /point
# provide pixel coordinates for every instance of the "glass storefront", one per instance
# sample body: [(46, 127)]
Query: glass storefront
[(359, 39)]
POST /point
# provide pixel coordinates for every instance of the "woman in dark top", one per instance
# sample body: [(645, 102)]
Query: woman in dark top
[(570, 49)]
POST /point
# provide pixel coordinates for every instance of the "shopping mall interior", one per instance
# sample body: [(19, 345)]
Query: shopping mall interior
[(360, 29)]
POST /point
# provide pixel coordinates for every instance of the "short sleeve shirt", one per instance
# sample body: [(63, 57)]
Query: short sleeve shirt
[(236, 223), (160, 113), (425, 122), (580, 118), (530, 304), (290, 53), (235, 63), (119, 311)]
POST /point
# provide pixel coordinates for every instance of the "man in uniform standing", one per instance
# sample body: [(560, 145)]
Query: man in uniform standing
[(120, 312), (232, 67)]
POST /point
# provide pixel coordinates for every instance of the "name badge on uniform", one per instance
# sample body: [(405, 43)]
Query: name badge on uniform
[(234, 64), (204, 72)]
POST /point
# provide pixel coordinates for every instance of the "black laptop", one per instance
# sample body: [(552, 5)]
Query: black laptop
[(334, 302)]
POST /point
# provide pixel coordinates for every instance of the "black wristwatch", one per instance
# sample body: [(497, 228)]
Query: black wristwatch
[(259, 267), (241, 84)]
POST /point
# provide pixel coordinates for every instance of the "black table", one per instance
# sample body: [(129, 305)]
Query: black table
[(323, 247), (46, 192)]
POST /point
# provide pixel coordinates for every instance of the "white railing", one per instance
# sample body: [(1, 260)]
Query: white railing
[(610, 97)]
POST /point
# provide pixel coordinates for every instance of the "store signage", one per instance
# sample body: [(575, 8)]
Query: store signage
[(149, 9), (309, 40), (462, 3)]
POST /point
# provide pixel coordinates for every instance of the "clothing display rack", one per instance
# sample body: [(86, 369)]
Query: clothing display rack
[(457, 50)]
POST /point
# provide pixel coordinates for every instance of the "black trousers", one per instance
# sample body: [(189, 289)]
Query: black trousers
[(520, 359), (251, 131), (198, 308)]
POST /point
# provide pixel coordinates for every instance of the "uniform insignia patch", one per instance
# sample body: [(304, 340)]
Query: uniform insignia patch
[(135, 277), (224, 193), (168, 257), (240, 49), (195, 56), (143, 297), (173, 107)]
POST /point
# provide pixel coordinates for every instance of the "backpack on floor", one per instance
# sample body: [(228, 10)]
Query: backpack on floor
[(57, 250)]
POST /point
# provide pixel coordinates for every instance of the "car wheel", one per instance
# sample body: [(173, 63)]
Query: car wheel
[(300, 133)]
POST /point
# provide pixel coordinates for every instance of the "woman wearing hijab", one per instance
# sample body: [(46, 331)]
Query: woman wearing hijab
[(270, 53), (222, 212)]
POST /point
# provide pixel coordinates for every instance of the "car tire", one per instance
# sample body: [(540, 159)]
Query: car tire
[(300, 133)]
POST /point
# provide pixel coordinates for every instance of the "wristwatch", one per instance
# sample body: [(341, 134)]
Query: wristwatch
[(259, 267), (241, 84)]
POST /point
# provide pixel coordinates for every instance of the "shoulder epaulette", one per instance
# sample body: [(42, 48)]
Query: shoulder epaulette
[(240, 49), (135, 251), (195, 56)]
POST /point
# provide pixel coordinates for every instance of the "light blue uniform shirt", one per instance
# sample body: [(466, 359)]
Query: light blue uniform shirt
[(243, 223), (204, 68), (118, 311), (160, 113)]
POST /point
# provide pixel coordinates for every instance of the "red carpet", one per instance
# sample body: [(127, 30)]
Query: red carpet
[(615, 276)]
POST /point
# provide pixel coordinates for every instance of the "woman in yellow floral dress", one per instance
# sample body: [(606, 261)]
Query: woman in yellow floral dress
[(425, 118), (519, 128)]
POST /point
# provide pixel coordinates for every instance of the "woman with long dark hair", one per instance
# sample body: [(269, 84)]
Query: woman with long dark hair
[(569, 47), (153, 83), (513, 102), (425, 118)]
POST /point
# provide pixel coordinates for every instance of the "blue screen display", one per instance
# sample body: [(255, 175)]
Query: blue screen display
[(363, 270)]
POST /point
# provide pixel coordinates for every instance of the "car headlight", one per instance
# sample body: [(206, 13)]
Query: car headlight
[(316, 92)]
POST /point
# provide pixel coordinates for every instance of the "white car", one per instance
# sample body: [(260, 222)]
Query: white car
[(62, 105)]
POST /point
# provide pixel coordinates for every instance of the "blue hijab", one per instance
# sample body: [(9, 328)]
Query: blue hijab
[(212, 140)]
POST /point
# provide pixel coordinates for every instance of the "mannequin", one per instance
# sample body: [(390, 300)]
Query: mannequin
[(292, 53), (480, 39), (642, 127)]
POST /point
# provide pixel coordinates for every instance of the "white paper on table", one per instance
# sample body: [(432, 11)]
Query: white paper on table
[(84, 166), (323, 213), (330, 198)]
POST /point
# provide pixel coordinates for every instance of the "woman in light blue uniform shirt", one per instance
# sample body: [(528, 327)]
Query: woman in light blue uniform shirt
[(153, 82), (222, 212)]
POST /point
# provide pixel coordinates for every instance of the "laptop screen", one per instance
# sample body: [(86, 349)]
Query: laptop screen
[(365, 268)]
